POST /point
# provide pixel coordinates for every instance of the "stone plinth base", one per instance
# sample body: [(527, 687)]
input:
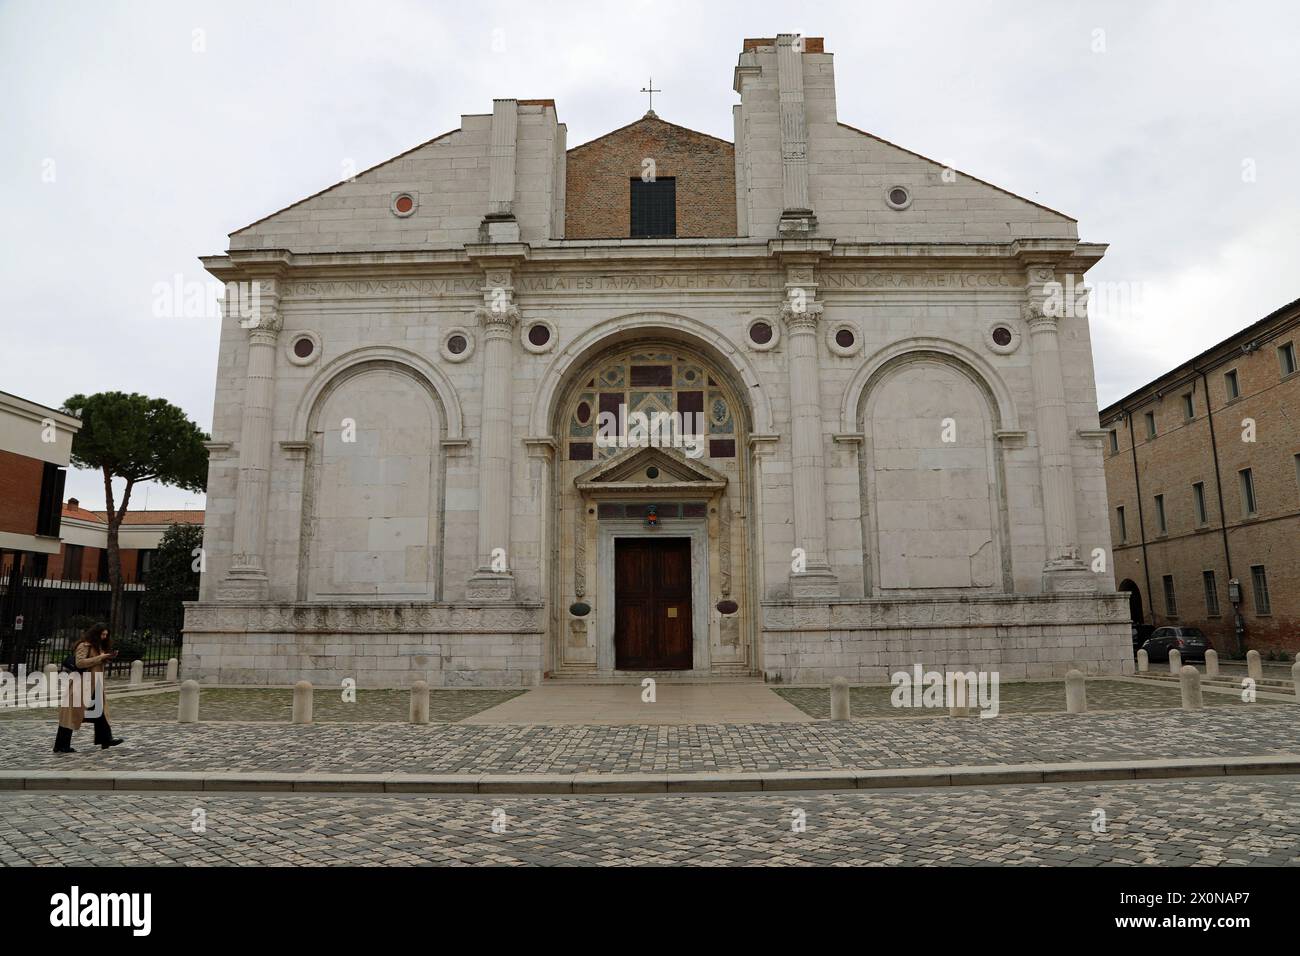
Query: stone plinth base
[(378, 645), (491, 587), (1020, 637)]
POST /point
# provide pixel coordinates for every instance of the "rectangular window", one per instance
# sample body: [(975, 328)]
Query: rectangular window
[(1260, 583), (145, 562), (1189, 406), (654, 208), (1211, 594), (1114, 441), (72, 562), (1248, 502), (1161, 523), (1123, 526), (49, 514), (1198, 497), (1286, 356), (1231, 385), (1171, 600), (1151, 424)]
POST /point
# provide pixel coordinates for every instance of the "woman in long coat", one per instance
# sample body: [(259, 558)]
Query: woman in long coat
[(91, 653)]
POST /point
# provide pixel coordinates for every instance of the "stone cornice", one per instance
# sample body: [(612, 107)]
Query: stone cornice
[(1065, 255)]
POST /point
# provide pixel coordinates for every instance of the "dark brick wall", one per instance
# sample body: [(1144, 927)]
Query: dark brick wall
[(599, 175)]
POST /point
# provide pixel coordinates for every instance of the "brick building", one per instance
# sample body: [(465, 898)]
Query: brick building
[(1203, 477), (84, 552)]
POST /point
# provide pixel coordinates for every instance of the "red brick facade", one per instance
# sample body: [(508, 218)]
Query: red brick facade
[(1181, 455), (20, 492), (600, 173)]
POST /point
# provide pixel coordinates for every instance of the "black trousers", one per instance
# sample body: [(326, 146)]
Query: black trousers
[(103, 732)]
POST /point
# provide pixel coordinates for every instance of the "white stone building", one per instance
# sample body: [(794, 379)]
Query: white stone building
[(891, 453)]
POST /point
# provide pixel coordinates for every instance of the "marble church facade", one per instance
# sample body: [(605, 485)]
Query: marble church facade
[(829, 419)]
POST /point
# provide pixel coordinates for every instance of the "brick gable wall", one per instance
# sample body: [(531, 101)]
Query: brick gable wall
[(599, 175)]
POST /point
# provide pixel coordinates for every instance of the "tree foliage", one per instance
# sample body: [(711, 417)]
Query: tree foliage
[(134, 438), (172, 580), (137, 438)]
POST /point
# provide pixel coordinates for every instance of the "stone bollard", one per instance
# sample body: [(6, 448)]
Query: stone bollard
[(1144, 662), (1076, 693), (137, 673), (1254, 665), (1211, 663), (189, 709), (839, 699), (1190, 679), (1175, 661), (420, 702), (173, 669), (1295, 676), (959, 704), (302, 702)]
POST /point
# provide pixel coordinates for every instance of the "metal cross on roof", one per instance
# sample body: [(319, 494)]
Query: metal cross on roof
[(652, 91)]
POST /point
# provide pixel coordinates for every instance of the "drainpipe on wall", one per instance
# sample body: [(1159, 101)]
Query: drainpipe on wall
[(1142, 528), (1223, 520)]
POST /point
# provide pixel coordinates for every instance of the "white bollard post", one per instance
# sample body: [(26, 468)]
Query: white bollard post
[(189, 709), (420, 702), (1211, 663), (1144, 662), (1190, 679), (1295, 676), (1175, 661), (839, 699), (173, 669), (137, 673), (959, 704), (1254, 665), (1076, 693), (302, 700)]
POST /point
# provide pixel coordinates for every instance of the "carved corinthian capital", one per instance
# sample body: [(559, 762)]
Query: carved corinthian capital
[(500, 321), (256, 304), (801, 317)]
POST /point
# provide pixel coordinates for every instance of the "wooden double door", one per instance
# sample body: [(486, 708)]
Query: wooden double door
[(652, 604)]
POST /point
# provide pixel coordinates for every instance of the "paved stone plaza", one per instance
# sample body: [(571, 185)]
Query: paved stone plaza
[(262, 704), (1201, 822), (704, 748)]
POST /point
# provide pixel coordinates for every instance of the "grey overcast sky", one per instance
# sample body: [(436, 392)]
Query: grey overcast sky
[(130, 144)]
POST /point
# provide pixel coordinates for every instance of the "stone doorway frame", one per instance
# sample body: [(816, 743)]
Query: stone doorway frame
[(697, 530)]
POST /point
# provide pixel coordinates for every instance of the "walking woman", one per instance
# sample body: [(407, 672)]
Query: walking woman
[(89, 656)]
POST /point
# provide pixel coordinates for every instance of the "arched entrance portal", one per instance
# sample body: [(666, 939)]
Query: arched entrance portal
[(649, 520), (1134, 601)]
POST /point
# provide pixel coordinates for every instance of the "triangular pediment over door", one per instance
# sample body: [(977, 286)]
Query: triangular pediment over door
[(659, 470)]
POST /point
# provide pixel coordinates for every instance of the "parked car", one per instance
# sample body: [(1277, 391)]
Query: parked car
[(1190, 642), (1140, 634)]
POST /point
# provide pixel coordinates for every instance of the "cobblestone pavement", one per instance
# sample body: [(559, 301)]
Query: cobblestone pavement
[(1200, 822), (819, 745), (276, 704), (1013, 698)]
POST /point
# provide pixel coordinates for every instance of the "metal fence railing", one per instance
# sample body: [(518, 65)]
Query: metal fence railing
[(43, 619)]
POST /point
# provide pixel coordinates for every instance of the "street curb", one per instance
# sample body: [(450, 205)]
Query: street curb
[(642, 783)]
